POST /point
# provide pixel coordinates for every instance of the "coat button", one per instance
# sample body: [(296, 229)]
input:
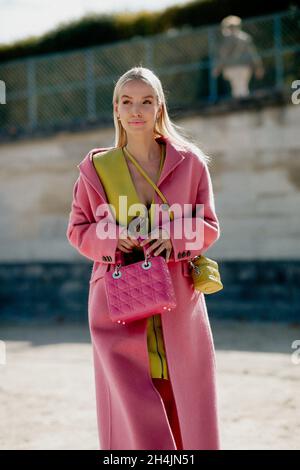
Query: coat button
[(183, 254), (188, 253), (179, 255), (109, 258), (103, 258)]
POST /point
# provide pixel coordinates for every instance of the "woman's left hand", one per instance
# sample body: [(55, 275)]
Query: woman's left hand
[(160, 244)]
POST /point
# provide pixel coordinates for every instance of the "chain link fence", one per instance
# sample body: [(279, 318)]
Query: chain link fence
[(65, 90)]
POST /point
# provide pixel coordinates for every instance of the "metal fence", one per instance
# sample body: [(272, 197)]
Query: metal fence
[(59, 90)]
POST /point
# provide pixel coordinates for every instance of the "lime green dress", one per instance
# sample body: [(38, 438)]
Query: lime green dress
[(123, 185)]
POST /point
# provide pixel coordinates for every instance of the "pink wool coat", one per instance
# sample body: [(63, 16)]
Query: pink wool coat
[(130, 412)]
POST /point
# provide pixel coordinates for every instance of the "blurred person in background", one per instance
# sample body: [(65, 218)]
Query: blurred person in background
[(237, 57)]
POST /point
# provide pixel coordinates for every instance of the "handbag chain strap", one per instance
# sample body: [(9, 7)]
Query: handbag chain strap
[(138, 166)]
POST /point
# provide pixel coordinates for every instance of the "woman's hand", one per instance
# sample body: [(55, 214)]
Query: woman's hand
[(259, 72), (159, 243), (127, 244)]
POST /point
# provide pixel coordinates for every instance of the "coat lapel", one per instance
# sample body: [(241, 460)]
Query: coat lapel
[(173, 158)]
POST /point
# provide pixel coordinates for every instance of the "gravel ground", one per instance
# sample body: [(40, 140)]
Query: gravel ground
[(48, 400)]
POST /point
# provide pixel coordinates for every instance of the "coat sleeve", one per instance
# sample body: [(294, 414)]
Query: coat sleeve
[(191, 236), (256, 59), (82, 228)]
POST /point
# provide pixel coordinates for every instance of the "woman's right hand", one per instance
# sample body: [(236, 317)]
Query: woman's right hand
[(127, 244), (259, 72)]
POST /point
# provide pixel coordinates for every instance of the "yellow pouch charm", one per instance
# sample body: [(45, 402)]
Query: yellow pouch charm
[(205, 274)]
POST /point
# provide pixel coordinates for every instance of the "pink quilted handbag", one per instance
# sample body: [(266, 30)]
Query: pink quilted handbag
[(139, 290)]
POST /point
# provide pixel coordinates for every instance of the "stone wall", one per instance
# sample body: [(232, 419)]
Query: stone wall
[(255, 171)]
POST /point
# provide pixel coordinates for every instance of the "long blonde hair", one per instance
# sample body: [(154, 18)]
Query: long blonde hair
[(163, 126)]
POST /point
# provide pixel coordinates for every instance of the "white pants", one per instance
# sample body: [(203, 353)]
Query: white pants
[(239, 77)]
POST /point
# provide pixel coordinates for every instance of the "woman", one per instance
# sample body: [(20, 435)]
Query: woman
[(154, 378)]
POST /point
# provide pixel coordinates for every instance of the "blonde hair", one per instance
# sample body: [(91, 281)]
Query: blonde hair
[(163, 126)]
